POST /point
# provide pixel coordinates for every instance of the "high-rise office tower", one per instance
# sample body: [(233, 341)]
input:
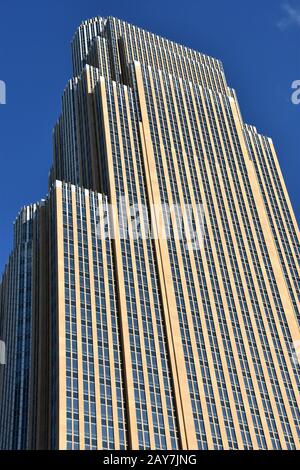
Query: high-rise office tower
[(130, 321)]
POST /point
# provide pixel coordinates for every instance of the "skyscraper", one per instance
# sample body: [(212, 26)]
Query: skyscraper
[(122, 331)]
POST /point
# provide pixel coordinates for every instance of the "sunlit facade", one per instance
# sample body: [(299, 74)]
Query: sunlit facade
[(142, 342)]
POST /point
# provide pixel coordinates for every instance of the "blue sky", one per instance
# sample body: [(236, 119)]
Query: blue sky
[(258, 43)]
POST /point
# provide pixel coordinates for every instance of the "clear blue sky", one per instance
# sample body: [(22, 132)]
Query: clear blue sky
[(258, 42)]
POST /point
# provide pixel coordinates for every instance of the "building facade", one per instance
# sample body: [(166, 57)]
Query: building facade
[(16, 327), (138, 337)]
